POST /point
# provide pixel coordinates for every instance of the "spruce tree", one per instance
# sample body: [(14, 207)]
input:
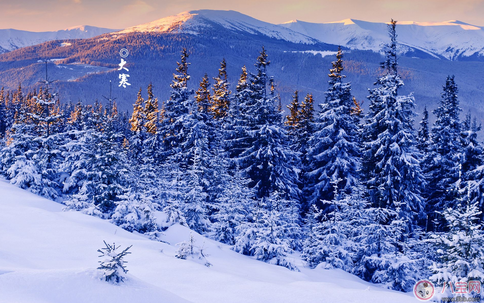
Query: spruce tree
[(333, 147), (221, 93), (391, 171), (460, 251), (472, 162), (176, 107), (33, 153), (112, 264), (264, 154), (293, 120), (151, 112), (106, 167), (392, 177), (444, 157), (423, 135)]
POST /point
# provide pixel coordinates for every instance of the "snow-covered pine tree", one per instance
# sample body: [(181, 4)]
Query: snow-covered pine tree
[(391, 161), (234, 207), (221, 93), (306, 116), (150, 170), (17, 161), (151, 112), (266, 156), (47, 117), (267, 160), (106, 167), (206, 174), (273, 233), (45, 111), (292, 120), (303, 134), (112, 266), (3, 114), (392, 177), (237, 136), (189, 249), (329, 240), (383, 255), (445, 156), (137, 121), (77, 151), (423, 135), (134, 211), (203, 98), (333, 147), (472, 165), (32, 155), (176, 108), (460, 250)]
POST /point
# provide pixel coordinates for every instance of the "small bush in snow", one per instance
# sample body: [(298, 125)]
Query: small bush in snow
[(187, 249), (112, 263)]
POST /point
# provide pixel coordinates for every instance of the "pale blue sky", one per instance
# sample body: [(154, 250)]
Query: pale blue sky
[(42, 15)]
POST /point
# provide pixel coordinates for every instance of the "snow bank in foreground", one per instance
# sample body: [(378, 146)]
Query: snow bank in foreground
[(47, 255)]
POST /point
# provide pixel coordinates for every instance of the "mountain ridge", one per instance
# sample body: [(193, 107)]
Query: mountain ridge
[(12, 39), (451, 40)]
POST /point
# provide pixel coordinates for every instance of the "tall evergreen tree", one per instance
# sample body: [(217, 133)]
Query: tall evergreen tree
[(293, 120), (392, 177), (176, 108), (333, 148), (472, 165), (423, 135), (151, 111), (445, 156), (137, 121), (391, 169), (266, 156), (221, 93), (106, 168), (460, 250)]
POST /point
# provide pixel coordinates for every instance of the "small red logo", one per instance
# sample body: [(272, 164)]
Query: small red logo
[(424, 290)]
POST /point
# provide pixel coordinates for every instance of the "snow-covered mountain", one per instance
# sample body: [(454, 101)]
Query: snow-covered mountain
[(299, 60), (450, 39), (194, 22), (11, 39)]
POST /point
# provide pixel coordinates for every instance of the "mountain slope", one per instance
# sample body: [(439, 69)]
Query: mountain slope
[(48, 255), (83, 68), (452, 40), (11, 39), (195, 22)]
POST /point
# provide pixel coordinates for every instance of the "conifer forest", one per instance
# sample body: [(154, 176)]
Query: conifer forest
[(373, 191)]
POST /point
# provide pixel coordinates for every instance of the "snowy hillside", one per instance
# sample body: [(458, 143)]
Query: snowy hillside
[(194, 21), (450, 39), (48, 255), (11, 39)]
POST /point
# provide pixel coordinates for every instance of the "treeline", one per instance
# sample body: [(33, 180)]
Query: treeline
[(364, 192)]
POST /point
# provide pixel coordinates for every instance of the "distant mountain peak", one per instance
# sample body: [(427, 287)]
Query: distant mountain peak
[(166, 24), (194, 22)]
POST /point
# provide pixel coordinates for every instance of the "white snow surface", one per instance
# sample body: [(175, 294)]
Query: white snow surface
[(49, 255), (11, 39), (315, 52), (448, 39), (193, 21)]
